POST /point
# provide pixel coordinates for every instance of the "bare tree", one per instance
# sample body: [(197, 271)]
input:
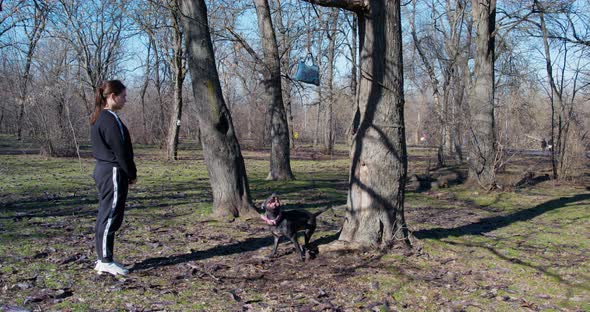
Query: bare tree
[(375, 214), (225, 164), (285, 36), (53, 118), (95, 30), (179, 66), (40, 12), (143, 91), (280, 166), (10, 19), (160, 22), (440, 51), (562, 108), (482, 138)]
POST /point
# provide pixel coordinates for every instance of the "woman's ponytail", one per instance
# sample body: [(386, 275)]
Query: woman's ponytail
[(99, 103), (100, 97)]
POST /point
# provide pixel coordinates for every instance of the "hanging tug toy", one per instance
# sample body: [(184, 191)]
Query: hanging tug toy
[(307, 73)]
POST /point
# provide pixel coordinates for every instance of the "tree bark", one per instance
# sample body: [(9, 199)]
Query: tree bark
[(179, 74), (143, 92), (354, 71), (482, 138), (329, 129), (320, 103), (158, 84), (280, 163), (285, 65), (221, 150), (379, 158), (375, 214)]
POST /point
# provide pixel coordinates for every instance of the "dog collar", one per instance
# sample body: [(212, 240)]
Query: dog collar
[(271, 221)]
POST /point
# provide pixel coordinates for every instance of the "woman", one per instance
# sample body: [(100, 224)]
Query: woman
[(114, 171)]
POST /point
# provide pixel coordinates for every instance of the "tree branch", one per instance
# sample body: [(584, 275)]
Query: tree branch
[(245, 45), (351, 5)]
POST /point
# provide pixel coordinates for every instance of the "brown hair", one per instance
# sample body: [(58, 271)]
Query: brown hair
[(108, 87)]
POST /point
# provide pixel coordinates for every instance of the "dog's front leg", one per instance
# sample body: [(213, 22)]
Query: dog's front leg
[(274, 247)]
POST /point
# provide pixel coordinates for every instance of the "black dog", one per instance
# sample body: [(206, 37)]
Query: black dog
[(288, 223)]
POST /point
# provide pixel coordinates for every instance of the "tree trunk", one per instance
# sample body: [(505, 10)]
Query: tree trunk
[(288, 108), (320, 107), (463, 79), (482, 151), (221, 150), (142, 94), (354, 70), (328, 119), (458, 95), (554, 92), (375, 216), (280, 163), (179, 72), (174, 124), (158, 84), (320, 103), (285, 65)]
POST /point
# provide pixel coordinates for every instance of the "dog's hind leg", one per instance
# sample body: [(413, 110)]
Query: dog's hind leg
[(297, 246), (308, 233)]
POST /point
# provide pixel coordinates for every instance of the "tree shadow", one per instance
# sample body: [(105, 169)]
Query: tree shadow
[(251, 244), (323, 203), (81, 206), (493, 223), (529, 181), (539, 268)]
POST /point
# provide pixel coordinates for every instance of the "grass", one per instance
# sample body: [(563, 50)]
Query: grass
[(521, 250)]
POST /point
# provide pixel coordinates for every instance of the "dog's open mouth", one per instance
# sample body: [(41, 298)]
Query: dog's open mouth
[(273, 203)]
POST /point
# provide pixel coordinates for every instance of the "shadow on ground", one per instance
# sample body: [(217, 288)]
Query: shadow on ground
[(493, 223), (251, 244)]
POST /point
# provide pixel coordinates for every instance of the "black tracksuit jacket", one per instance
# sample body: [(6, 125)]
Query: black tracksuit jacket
[(112, 144)]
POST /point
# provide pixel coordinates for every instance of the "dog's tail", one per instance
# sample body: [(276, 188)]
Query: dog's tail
[(322, 210)]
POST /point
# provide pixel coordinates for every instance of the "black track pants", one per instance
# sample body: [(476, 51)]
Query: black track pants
[(112, 185)]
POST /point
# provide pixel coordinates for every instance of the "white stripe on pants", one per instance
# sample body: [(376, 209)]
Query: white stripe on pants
[(108, 226)]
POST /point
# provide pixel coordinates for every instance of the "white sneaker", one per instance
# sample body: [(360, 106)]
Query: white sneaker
[(113, 268)]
